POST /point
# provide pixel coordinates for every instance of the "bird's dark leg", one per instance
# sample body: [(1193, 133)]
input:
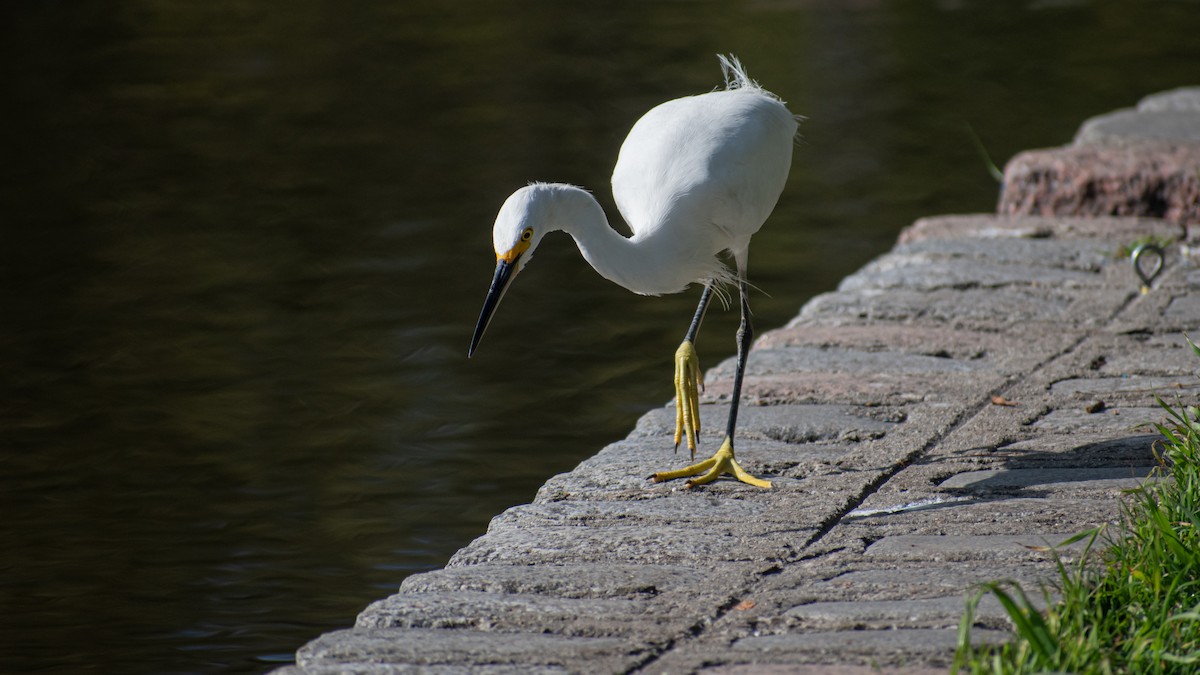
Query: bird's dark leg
[(723, 461), (700, 309), (745, 335), (688, 381)]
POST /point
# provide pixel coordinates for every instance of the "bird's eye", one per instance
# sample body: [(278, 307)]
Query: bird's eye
[(527, 234)]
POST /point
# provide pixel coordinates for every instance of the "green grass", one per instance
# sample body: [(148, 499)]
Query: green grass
[(1133, 607), (1162, 242)]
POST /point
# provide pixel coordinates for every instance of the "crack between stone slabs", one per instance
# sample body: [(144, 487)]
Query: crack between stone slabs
[(965, 416), (702, 625)]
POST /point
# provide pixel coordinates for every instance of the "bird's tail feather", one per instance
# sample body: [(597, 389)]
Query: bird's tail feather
[(736, 78), (735, 74)]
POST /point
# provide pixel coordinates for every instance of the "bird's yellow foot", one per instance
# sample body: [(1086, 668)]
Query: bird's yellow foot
[(688, 384), (720, 463)]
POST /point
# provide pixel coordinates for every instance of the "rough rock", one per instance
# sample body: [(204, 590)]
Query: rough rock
[(1143, 161)]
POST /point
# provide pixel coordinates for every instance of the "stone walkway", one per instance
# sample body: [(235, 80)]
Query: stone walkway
[(953, 407)]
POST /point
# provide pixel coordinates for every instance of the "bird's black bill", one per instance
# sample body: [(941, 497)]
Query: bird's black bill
[(504, 274)]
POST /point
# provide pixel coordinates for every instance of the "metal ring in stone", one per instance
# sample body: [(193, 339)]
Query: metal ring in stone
[(1138, 255)]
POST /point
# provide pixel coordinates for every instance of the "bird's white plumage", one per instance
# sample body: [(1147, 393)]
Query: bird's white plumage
[(696, 176), (718, 159)]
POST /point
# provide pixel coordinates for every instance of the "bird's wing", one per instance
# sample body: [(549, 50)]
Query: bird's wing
[(710, 167)]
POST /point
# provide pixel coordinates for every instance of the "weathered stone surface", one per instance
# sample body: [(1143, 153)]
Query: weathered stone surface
[(965, 514), (1157, 180), (994, 351), (794, 360), (1187, 308), (380, 650), (923, 272), (859, 378), (647, 617), (880, 389), (1127, 385), (1115, 420), (943, 612), (574, 580), (1005, 547), (694, 509), (785, 423), (1007, 479), (1138, 162), (898, 582), (621, 471), (1087, 449), (656, 545), (887, 644), (887, 651), (1183, 98), (1046, 254), (818, 669), (981, 309), (1138, 126), (986, 230)]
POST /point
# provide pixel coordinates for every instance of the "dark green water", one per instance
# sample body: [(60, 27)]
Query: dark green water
[(243, 248)]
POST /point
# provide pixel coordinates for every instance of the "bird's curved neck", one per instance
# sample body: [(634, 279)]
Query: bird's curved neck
[(641, 264)]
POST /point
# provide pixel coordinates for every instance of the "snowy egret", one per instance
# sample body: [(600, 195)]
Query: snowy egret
[(696, 177)]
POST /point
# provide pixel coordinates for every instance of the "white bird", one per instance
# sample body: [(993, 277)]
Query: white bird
[(696, 177)]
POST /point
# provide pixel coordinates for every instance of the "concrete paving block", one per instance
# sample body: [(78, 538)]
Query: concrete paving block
[(907, 651), (999, 547), (379, 650), (1079, 450), (876, 390), (1028, 510), (1027, 312), (1156, 311), (575, 580), (1184, 309), (1051, 253), (644, 618), (855, 377), (1159, 123), (884, 644), (903, 582), (1091, 357), (685, 508), (995, 352), (940, 612), (920, 272), (422, 669), (1113, 420), (1104, 230), (1146, 386), (1167, 356), (804, 360), (1182, 98), (1163, 340), (786, 423), (1099, 479), (621, 472), (626, 544), (819, 669)]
